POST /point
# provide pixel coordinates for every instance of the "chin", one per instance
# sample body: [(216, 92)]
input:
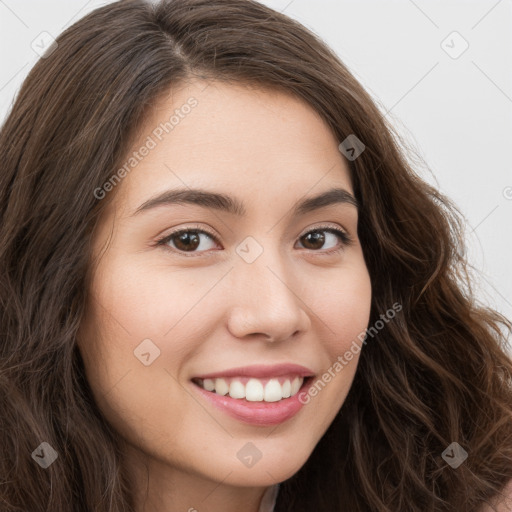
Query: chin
[(266, 471)]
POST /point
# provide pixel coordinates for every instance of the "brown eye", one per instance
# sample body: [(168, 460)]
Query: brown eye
[(187, 240), (316, 239)]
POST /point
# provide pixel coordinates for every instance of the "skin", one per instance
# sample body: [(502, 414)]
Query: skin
[(214, 311)]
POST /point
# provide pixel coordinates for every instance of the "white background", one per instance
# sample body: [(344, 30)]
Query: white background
[(456, 113)]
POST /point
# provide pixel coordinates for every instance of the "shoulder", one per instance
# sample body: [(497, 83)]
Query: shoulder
[(501, 503)]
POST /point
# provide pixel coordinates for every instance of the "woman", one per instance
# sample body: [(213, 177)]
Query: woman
[(224, 288)]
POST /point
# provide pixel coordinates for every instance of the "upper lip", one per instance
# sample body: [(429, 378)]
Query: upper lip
[(261, 371)]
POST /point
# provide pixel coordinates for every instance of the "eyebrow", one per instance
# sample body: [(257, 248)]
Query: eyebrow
[(234, 206)]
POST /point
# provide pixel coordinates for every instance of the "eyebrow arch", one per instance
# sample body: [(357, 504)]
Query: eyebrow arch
[(232, 205)]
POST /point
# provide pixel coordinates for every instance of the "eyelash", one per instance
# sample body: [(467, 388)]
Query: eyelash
[(346, 239)]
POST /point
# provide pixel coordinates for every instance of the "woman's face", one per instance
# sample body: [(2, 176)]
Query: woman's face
[(270, 288)]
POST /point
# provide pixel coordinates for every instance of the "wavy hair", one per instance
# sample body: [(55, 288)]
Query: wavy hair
[(438, 373)]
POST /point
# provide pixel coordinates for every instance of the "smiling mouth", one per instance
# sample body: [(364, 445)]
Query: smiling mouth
[(251, 389)]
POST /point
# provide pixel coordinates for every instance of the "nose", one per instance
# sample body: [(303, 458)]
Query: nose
[(266, 300)]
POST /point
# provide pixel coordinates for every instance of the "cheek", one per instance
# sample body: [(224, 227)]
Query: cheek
[(133, 397), (342, 309), (345, 306), (131, 305), (148, 301)]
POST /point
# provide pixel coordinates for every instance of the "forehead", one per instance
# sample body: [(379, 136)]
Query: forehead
[(256, 143)]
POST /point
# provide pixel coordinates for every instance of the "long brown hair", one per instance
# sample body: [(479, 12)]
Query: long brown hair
[(438, 373)]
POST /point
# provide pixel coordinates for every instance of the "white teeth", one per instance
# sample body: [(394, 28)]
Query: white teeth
[(273, 391), (287, 388), (236, 389), (296, 384), (221, 387), (254, 390), (208, 384)]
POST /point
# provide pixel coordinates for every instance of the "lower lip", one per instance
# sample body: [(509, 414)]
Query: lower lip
[(258, 413)]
